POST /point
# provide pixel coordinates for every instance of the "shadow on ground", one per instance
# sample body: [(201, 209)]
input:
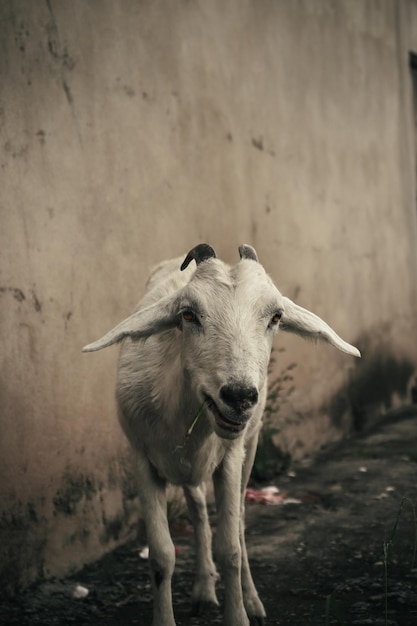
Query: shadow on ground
[(318, 559)]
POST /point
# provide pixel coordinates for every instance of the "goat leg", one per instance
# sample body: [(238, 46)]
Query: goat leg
[(227, 489), (161, 548)]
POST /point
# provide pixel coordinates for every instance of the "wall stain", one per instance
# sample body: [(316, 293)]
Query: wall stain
[(41, 136), (129, 91), (16, 151), (378, 381), (258, 143), (21, 36), (67, 92), (63, 59), (75, 487), (36, 303), (24, 527), (377, 378), (16, 292), (19, 295), (22, 546), (19, 516), (113, 527)]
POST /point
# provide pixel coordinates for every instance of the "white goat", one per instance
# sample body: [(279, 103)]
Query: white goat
[(190, 400)]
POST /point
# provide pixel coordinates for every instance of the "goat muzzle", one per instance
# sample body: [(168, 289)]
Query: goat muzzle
[(239, 398), (232, 421)]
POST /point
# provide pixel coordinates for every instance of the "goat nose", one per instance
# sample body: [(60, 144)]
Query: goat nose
[(239, 397)]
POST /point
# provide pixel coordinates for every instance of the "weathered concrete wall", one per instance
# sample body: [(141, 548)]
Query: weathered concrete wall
[(131, 131)]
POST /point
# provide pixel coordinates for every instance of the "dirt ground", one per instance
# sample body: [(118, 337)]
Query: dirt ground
[(332, 553)]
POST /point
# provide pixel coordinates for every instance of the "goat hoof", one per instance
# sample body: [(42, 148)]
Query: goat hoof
[(202, 606), (257, 620)]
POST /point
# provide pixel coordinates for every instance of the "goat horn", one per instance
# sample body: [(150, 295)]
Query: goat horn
[(200, 253), (247, 252)]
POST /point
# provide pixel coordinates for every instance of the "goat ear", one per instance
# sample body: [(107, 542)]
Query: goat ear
[(144, 323), (297, 320)]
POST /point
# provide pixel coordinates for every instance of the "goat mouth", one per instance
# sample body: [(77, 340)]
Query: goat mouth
[(223, 422)]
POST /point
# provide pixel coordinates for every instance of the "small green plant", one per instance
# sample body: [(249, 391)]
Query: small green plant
[(181, 448), (332, 605), (388, 545), (269, 459)]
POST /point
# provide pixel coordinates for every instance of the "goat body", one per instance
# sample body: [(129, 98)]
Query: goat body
[(191, 390)]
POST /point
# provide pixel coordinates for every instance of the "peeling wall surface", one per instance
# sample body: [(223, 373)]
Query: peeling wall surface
[(129, 132)]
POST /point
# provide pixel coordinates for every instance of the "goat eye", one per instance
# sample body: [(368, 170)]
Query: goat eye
[(276, 318), (189, 316)]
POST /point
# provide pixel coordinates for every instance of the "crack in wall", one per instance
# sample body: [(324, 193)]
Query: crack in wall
[(61, 56)]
